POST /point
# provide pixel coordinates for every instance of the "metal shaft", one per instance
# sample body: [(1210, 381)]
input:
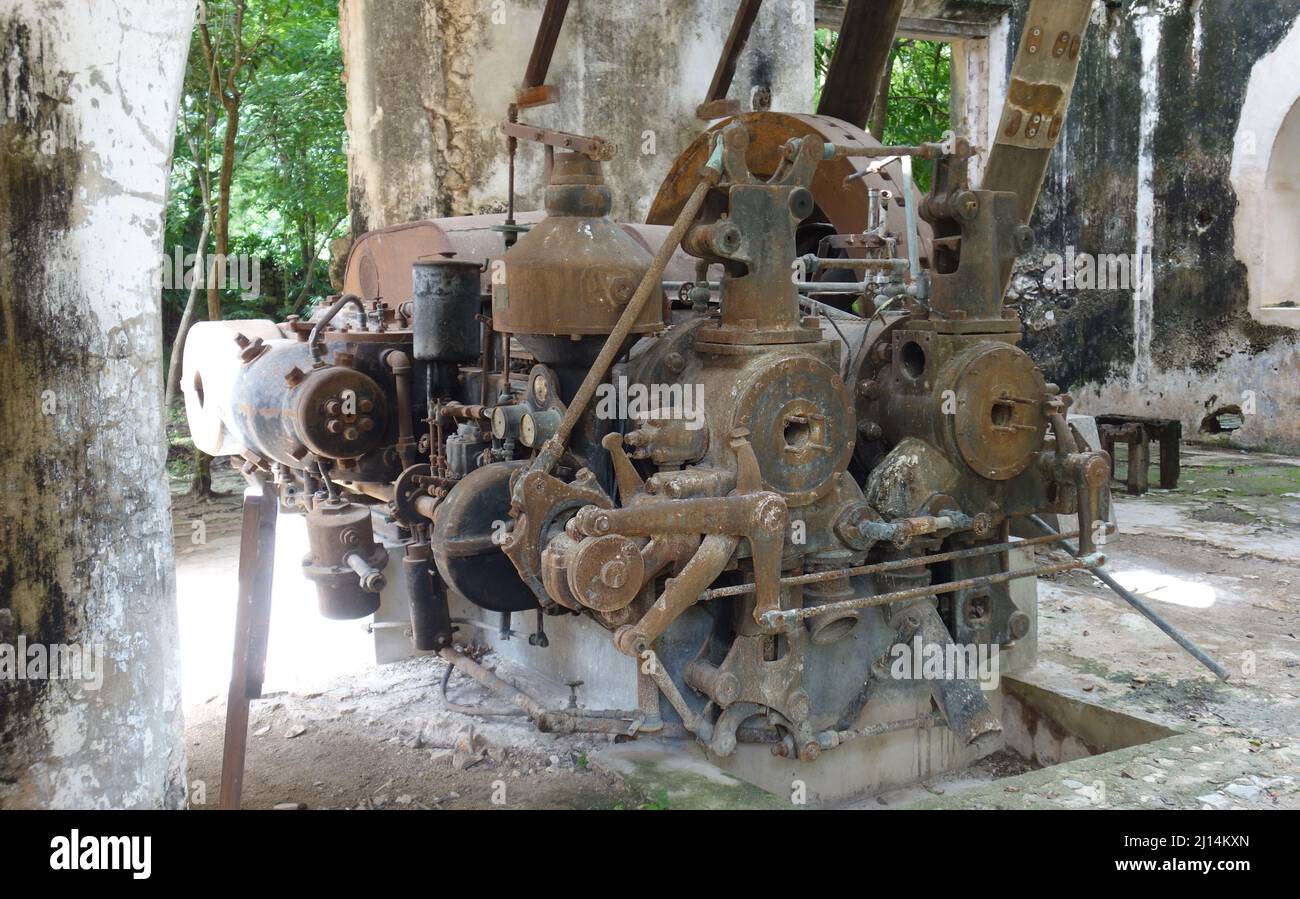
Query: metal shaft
[(778, 618), (892, 565), (1174, 633)]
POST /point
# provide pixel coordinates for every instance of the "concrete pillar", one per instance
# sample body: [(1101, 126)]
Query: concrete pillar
[(89, 671), (429, 82)]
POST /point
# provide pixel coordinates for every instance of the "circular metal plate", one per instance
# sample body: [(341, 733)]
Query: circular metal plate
[(801, 426), (999, 423)]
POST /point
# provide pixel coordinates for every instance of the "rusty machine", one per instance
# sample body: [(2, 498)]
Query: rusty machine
[(755, 477)]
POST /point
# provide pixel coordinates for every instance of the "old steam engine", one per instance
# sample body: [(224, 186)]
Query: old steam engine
[(755, 480)]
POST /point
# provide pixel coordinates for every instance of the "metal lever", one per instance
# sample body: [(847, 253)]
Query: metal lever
[(1174, 633)]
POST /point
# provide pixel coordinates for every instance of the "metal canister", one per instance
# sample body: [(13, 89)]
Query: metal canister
[(446, 293)]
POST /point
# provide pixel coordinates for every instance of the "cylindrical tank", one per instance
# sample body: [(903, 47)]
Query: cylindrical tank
[(344, 560), (445, 299), (573, 273)]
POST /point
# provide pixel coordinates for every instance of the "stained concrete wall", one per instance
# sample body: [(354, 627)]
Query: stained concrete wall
[(1145, 166), (429, 82), (88, 96)]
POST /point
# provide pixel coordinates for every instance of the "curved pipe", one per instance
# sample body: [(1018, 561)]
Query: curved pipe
[(400, 365), (318, 330)]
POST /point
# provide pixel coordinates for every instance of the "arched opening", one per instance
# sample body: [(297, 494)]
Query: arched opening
[(1266, 179), (1281, 287)]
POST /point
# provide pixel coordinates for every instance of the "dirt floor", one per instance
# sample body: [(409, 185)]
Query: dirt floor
[(1219, 557)]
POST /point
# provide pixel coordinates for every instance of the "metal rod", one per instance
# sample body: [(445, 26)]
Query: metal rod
[(784, 618), (830, 739), (823, 264), (1173, 633), (892, 565), (909, 209)]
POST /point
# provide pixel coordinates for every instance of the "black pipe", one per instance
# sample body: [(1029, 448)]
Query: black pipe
[(430, 618)]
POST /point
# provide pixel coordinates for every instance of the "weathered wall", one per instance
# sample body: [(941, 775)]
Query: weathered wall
[(1144, 167), (88, 98), (429, 82)]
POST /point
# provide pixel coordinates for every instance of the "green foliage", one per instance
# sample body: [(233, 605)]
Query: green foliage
[(920, 91), (289, 187)]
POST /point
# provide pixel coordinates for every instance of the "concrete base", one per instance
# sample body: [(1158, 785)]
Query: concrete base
[(581, 653)]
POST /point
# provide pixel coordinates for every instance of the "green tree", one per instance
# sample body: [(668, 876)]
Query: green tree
[(260, 159), (916, 91)]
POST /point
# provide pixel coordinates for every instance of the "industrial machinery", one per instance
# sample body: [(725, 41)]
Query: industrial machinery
[(759, 443)]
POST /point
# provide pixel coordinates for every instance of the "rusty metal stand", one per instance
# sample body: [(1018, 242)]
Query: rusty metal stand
[(252, 628)]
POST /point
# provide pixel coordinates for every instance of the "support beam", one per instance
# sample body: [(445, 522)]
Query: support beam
[(861, 55), (548, 35), (746, 13), (1033, 116), (88, 105)]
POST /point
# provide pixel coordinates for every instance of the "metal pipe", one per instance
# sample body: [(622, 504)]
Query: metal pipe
[(400, 364), (781, 619), (318, 330), (893, 565), (913, 232), (1173, 633), (829, 739), (820, 264), (372, 579)]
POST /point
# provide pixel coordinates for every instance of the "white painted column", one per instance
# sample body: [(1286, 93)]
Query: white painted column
[(88, 98)]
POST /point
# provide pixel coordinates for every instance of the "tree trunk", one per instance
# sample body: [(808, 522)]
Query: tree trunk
[(222, 225), (880, 109), (90, 100), (187, 318)]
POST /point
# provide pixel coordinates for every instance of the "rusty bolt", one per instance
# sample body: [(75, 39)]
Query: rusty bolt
[(333, 426), (366, 406), (333, 407), (965, 205), (868, 389), (366, 424), (809, 751), (351, 434), (675, 363)]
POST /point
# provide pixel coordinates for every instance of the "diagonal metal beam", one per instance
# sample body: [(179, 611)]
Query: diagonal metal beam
[(252, 628), (746, 13), (1042, 80), (548, 35), (861, 54)]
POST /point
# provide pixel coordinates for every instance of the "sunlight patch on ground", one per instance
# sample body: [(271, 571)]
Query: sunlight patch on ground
[(1164, 587), (305, 651)]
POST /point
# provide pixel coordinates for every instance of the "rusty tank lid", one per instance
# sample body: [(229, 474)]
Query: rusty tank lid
[(574, 271)]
